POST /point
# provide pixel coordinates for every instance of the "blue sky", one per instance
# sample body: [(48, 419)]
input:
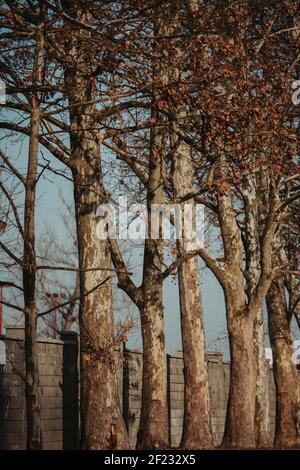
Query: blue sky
[(49, 214)]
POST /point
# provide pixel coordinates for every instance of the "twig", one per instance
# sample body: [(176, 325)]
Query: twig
[(74, 269), (74, 299)]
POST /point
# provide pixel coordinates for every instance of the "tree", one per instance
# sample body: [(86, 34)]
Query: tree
[(191, 98), (28, 261), (98, 342), (102, 425), (282, 304), (153, 423), (29, 258), (196, 426), (233, 92)]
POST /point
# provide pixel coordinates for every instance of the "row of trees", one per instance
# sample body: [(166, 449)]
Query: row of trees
[(192, 100)]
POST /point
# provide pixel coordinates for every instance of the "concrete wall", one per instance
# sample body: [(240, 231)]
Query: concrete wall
[(219, 374), (132, 394), (59, 393)]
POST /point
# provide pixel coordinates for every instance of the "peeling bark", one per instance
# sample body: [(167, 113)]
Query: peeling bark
[(153, 431), (294, 298), (253, 269), (102, 425), (196, 424), (262, 404), (242, 313), (239, 426), (285, 372)]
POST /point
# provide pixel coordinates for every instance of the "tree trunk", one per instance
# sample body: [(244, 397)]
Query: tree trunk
[(102, 425), (33, 421), (285, 372), (196, 424), (253, 231), (153, 430), (262, 407), (33, 436), (239, 427)]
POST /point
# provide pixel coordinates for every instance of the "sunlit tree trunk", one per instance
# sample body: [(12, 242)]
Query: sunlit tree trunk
[(239, 427), (196, 424), (153, 431), (102, 425), (285, 372), (253, 268)]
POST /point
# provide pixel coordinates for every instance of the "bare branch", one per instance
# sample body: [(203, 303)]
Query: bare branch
[(64, 304)]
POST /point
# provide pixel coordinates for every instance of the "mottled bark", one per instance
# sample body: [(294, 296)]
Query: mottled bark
[(262, 403), (102, 425), (243, 303), (196, 423), (284, 370), (285, 373), (33, 422), (239, 426), (153, 430), (253, 268)]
